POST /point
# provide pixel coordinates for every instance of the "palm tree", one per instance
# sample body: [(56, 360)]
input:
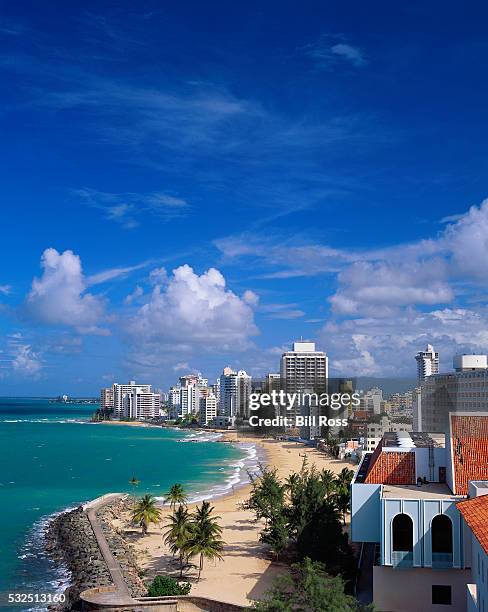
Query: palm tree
[(178, 532), (134, 483), (176, 495), (342, 501), (204, 539), (146, 512), (328, 480), (344, 478)]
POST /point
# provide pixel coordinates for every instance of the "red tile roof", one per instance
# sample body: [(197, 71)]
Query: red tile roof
[(391, 467), (475, 513), (469, 442)]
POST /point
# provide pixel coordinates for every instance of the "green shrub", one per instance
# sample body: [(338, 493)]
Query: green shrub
[(165, 585)]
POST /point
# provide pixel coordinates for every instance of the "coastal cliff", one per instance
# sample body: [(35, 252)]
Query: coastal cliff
[(70, 540)]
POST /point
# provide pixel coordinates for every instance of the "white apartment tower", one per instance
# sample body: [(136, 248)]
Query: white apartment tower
[(427, 363), (235, 388), (208, 409), (135, 401), (304, 369)]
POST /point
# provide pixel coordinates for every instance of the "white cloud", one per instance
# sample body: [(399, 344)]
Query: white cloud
[(181, 366), (379, 346), (158, 276), (350, 53), (125, 208), (137, 293), (467, 240), (59, 297), (250, 297), (5, 289), (330, 49), (25, 361), (365, 286), (192, 312), (112, 274), (281, 311)]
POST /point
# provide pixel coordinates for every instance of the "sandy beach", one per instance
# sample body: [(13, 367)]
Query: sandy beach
[(247, 570)]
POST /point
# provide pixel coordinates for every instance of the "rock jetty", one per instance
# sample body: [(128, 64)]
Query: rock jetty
[(69, 539)]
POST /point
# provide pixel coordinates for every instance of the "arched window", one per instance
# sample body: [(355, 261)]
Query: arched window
[(441, 529), (402, 528), (441, 534)]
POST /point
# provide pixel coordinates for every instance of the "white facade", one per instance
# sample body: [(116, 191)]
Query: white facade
[(304, 369), (174, 402), (120, 392), (139, 404), (135, 401), (463, 363), (427, 363), (208, 409), (235, 388)]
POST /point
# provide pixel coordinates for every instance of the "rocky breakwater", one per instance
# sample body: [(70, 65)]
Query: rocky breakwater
[(70, 540), (120, 549)]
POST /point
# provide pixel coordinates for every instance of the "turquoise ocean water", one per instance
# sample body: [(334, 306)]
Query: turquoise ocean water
[(52, 458)]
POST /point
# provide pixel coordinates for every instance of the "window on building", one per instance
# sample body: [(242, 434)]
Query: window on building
[(441, 594), (441, 534), (402, 528)]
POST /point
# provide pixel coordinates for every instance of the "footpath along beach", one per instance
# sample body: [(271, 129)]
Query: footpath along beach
[(246, 571)]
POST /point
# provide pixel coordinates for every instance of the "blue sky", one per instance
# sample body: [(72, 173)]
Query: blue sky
[(186, 186)]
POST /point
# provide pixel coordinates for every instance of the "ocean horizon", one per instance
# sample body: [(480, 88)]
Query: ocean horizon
[(53, 458)]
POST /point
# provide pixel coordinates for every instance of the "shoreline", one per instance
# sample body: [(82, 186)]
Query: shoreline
[(247, 570)]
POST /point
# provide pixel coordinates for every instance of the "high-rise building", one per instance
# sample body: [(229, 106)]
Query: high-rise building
[(371, 400), (465, 389), (107, 398), (135, 401), (427, 363), (235, 388), (120, 392), (174, 402), (208, 409), (272, 382), (304, 369)]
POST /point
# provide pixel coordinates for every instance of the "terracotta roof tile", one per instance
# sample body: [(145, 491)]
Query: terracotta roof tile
[(475, 513), (469, 441), (391, 467)]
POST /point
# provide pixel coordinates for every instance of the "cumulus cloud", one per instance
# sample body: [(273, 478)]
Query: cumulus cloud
[(190, 312), (467, 240), (59, 297)]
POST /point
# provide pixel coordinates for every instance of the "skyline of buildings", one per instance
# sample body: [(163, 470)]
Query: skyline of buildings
[(304, 369)]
